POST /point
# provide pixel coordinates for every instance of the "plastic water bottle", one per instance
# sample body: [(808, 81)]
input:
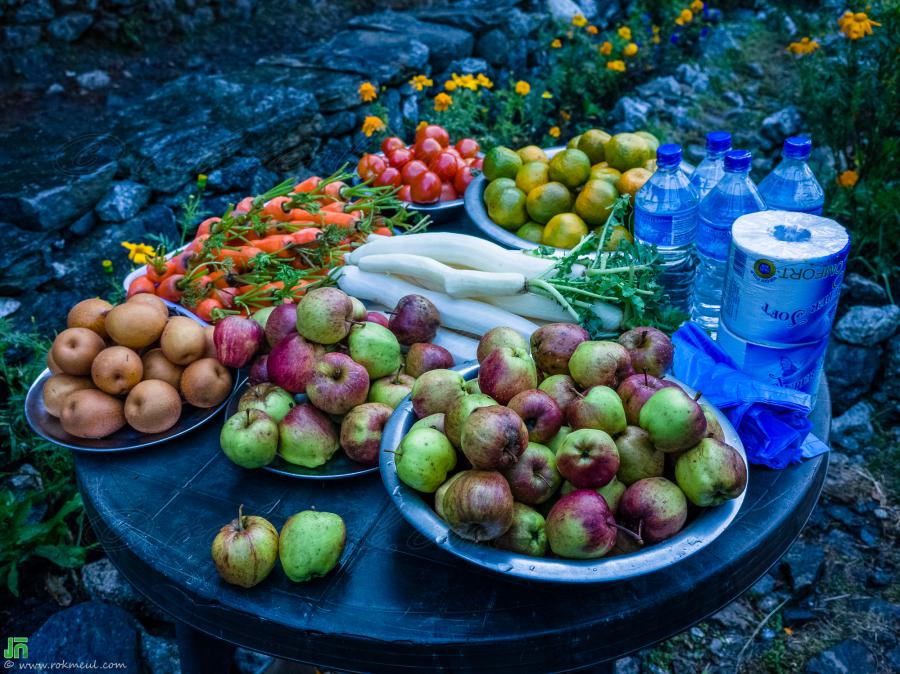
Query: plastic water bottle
[(733, 196), (792, 186), (712, 168), (665, 214)]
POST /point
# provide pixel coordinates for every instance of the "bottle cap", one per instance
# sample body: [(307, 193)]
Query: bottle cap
[(737, 161), (797, 147), (668, 154), (718, 141)]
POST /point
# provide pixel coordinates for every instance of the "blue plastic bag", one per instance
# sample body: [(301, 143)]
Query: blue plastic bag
[(771, 421)]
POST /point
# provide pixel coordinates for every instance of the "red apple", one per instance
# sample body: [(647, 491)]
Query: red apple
[(290, 363), (588, 458), (553, 344), (506, 372), (237, 340), (425, 356), (650, 349), (534, 478), (361, 431), (338, 384), (540, 413)]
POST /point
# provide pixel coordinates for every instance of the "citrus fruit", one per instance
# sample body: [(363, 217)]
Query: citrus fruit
[(606, 173), (595, 201), (508, 209), (532, 153), (652, 141), (548, 200), (531, 175), (495, 187), (592, 142), (617, 235), (650, 165), (627, 150), (501, 162), (564, 231), (570, 167), (573, 142), (632, 180), (531, 231)]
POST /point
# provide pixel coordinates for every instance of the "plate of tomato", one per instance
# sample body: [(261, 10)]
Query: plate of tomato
[(432, 174)]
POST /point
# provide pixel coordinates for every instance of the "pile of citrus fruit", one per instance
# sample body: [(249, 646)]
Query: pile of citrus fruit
[(557, 201)]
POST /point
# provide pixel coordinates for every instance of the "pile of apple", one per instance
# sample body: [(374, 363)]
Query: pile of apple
[(349, 362), (130, 364), (602, 454)]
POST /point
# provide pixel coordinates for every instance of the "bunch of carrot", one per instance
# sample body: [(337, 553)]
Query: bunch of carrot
[(274, 247)]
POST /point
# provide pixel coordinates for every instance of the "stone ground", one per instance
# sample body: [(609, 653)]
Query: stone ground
[(830, 606)]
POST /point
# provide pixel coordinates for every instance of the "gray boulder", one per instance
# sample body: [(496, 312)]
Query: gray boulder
[(94, 80), (693, 76), (857, 289), (160, 655), (847, 657), (70, 27), (8, 306), (868, 325), (632, 112), (851, 371), (802, 566), (56, 207), (493, 47), (34, 11), (781, 124), (20, 37), (235, 174), (853, 429), (123, 201)]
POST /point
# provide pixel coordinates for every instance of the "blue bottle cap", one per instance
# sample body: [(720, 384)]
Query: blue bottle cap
[(668, 154), (797, 147), (737, 161), (718, 141)]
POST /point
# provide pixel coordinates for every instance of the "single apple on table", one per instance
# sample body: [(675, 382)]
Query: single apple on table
[(601, 408), (506, 372), (338, 384), (552, 346), (271, 399), (391, 390), (307, 437), (526, 534), (588, 458), (600, 363), (459, 411), (638, 458), (250, 438), (533, 478), (310, 544), (361, 431), (650, 350), (653, 509), (711, 473), (539, 411), (580, 525)]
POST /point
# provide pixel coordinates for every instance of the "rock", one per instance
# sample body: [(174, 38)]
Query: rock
[(87, 633), (334, 153), (235, 174), (851, 371), (883, 610), (867, 325), (20, 37), (781, 124), (389, 58), (793, 616), (493, 47), (84, 224), (842, 544), (157, 219), (160, 655), (8, 307), (70, 27), (250, 662), (868, 536), (788, 24), (719, 43), (468, 66), (755, 70), (103, 583), (563, 10), (737, 615), (666, 88), (892, 659), (761, 588), (54, 89), (629, 665), (847, 657), (123, 201), (34, 11), (853, 429), (338, 124), (802, 565), (879, 578), (632, 112), (857, 289), (693, 76), (733, 98), (54, 208), (94, 80), (844, 515)]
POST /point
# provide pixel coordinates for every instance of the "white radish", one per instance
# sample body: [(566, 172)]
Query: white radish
[(544, 308), (463, 348), (468, 316), (437, 276)]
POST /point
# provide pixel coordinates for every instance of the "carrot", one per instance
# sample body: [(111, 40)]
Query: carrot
[(333, 190), (305, 235), (307, 185), (334, 207), (197, 245), (215, 278), (275, 211), (205, 308), (383, 231), (244, 205), (273, 244), (168, 289), (158, 269), (226, 296), (142, 284), (205, 226), (180, 261), (237, 257), (324, 218)]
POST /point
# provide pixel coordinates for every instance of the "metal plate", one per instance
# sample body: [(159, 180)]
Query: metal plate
[(697, 534), (123, 440), (338, 467)]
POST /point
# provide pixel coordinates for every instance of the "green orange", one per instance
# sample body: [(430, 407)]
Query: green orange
[(547, 200)]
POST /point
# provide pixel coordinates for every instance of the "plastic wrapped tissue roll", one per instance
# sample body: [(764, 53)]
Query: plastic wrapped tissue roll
[(783, 278)]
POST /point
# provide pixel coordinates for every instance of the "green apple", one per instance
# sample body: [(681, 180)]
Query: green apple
[(526, 535), (459, 411), (557, 440), (271, 399), (375, 348), (638, 458), (601, 408), (310, 544), (424, 458), (673, 419), (711, 473), (250, 438), (391, 390)]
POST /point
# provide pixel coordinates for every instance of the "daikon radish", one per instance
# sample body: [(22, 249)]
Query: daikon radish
[(543, 308), (437, 276), (467, 316), (463, 348)]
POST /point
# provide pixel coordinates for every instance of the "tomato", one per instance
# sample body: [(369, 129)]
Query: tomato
[(439, 133), (412, 170), (426, 188), (448, 193), (403, 194), (428, 149), (370, 166), (390, 144), (390, 176), (463, 177), (400, 157), (444, 164), (476, 162), (467, 147)]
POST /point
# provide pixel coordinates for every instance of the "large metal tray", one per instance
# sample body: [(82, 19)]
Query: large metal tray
[(704, 528)]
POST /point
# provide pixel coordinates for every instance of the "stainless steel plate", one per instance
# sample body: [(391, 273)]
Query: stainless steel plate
[(708, 524)]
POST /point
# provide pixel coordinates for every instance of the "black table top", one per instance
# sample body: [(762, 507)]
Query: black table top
[(397, 602)]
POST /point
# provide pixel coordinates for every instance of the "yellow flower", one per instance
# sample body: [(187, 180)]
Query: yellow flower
[(606, 48), (139, 253), (107, 266), (686, 15), (201, 181), (523, 88), (450, 85), (656, 30), (554, 131), (616, 65), (442, 101), (630, 49), (655, 39), (579, 20), (372, 124), (592, 29), (565, 115), (546, 94), (367, 92), (697, 6), (556, 44), (420, 82), (805, 46), (856, 26), (848, 178), (624, 32), (484, 81), (421, 125)]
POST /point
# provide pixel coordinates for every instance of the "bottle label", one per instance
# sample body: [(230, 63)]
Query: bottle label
[(713, 241), (676, 229)]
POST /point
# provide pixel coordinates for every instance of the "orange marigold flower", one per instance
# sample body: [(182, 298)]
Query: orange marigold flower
[(616, 65), (630, 49), (556, 44), (442, 101), (554, 131), (848, 178), (592, 29), (372, 124), (606, 48), (367, 92)]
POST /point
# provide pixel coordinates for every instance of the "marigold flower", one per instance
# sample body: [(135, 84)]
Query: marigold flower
[(686, 15), (624, 32), (442, 101), (804, 46), (630, 49), (565, 115), (696, 5), (372, 124), (579, 20), (592, 29), (606, 48), (856, 26), (523, 88), (546, 94), (420, 82), (556, 44), (484, 81), (616, 65), (554, 132), (848, 178), (139, 253), (367, 92), (450, 85), (655, 39)]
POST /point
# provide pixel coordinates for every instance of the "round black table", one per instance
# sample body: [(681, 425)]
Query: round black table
[(397, 603)]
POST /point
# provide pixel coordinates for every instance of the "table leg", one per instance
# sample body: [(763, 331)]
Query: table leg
[(202, 654)]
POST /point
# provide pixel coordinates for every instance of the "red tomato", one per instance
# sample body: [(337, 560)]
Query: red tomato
[(412, 170), (468, 147), (426, 188), (427, 149), (439, 133), (403, 194), (390, 176), (370, 166), (400, 157), (476, 162), (444, 164), (448, 193), (390, 144), (463, 177), (452, 150)]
